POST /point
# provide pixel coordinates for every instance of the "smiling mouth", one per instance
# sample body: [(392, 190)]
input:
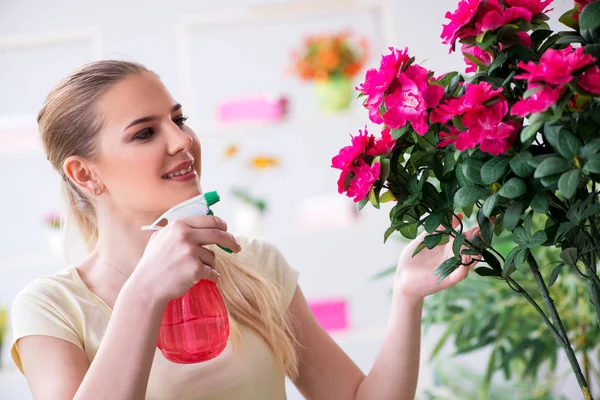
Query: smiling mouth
[(178, 173)]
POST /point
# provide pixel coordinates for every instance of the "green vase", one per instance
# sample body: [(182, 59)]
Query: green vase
[(334, 94)]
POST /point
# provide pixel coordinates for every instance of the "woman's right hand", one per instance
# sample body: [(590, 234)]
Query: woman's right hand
[(175, 260)]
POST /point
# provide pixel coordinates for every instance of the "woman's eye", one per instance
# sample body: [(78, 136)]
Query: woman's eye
[(180, 121), (144, 134)]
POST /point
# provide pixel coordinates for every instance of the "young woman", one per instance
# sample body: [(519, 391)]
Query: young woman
[(120, 142)]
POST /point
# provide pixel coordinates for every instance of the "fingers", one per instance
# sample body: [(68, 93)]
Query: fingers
[(204, 222), (208, 273), (456, 221), (205, 230), (206, 256)]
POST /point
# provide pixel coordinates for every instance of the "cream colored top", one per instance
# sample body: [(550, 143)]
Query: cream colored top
[(61, 306)]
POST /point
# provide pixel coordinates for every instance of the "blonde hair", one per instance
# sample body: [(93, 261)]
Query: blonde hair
[(68, 124)]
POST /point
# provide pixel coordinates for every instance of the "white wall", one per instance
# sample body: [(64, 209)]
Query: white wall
[(335, 262)]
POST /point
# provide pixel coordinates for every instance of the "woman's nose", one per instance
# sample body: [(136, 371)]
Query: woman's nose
[(178, 140)]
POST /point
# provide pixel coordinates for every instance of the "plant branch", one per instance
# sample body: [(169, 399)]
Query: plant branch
[(560, 327), (517, 288)]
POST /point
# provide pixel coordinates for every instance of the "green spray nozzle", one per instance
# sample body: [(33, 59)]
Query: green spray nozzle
[(212, 198)]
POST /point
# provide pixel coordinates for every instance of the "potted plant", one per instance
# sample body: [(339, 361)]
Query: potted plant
[(516, 141), (331, 61)]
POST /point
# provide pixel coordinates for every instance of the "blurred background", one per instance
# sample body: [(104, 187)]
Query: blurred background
[(268, 131)]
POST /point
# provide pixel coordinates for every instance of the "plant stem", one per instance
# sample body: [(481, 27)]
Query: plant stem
[(535, 305), (533, 266)]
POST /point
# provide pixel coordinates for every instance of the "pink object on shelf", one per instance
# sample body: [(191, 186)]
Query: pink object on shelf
[(256, 109), (332, 313)]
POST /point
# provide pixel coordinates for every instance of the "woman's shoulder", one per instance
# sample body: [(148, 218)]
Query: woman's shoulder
[(52, 292), (267, 257)]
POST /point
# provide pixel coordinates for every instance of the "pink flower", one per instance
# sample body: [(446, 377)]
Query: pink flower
[(540, 101), (494, 15), (377, 81), (351, 159), (349, 154), (475, 51), (584, 2), (556, 67), (475, 95), (410, 99), (365, 176), (525, 38), (534, 6), (590, 80), (460, 18), (383, 145)]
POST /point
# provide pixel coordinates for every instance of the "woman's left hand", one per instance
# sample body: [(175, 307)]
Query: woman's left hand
[(414, 275)]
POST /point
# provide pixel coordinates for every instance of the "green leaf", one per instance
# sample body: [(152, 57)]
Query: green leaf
[(432, 240), (484, 271), (385, 170), (512, 216), (513, 188), (551, 166), (593, 49), (590, 17), (466, 196), (521, 236), (386, 197), (569, 256), (593, 165), (433, 221), (568, 39), (551, 133), (568, 183), (472, 170), (564, 229), (489, 204), (459, 240), (520, 257), (363, 203), (568, 145), (492, 261), (419, 248), (538, 239), (374, 197), (569, 20), (474, 59), (409, 231), (591, 148), (494, 169), (539, 36), (388, 233), (530, 131), (448, 77), (468, 210), (446, 268), (540, 203), (520, 164), (554, 274), (398, 133), (500, 59), (451, 88)]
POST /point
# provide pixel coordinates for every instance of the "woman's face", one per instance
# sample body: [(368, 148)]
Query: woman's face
[(148, 159)]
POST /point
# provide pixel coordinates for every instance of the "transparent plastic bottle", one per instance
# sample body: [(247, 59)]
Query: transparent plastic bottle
[(195, 326)]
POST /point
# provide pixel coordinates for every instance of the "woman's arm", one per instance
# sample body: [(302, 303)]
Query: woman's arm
[(57, 370), (326, 372)]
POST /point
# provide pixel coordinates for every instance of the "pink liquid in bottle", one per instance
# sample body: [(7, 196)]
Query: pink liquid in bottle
[(195, 327)]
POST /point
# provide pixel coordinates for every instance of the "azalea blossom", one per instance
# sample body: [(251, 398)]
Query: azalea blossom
[(539, 101), (555, 67), (590, 80), (483, 56), (535, 7), (410, 99), (377, 81), (364, 176)]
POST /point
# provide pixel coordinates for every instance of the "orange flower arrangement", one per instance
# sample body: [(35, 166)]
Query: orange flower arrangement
[(330, 56)]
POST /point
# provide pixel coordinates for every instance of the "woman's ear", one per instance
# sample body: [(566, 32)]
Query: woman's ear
[(79, 171)]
